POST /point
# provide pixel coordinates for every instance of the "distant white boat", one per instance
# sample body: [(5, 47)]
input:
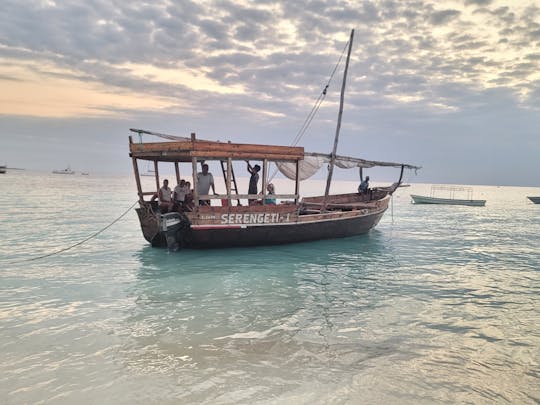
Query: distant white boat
[(450, 198), (149, 172), (64, 171)]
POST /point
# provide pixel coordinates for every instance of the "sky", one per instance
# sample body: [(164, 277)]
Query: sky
[(452, 86)]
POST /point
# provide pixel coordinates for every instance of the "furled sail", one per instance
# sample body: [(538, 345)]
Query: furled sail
[(306, 168)]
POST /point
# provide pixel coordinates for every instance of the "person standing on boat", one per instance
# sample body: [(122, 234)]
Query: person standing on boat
[(165, 197), (254, 179), (205, 180)]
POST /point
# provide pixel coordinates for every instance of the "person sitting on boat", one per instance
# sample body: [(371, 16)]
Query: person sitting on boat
[(164, 197), (205, 180), (270, 199), (254, 179), (188, 200), (179, 195), (364, 186)]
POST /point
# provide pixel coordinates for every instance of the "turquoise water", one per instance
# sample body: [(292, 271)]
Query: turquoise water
[(438, 304)]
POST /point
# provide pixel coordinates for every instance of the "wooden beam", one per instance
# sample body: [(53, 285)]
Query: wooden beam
[(213, 155), (195, 183), (216, 149), (156, 171), (177, 171), (136, 172)]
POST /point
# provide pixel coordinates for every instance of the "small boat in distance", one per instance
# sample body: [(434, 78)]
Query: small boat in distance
[(446, 195), (535, 200), (149, 172), (3, 169), (67, 170)]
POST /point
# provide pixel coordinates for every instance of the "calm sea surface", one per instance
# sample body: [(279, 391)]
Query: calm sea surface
[(437, 304)]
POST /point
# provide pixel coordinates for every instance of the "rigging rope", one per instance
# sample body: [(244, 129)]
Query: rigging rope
[(315, 108), (78, 243)]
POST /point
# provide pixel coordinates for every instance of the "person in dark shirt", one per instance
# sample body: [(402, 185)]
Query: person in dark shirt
[(254, 179), (364, 187)]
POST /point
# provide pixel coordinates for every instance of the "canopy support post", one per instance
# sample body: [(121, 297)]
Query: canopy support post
[(137, 176)]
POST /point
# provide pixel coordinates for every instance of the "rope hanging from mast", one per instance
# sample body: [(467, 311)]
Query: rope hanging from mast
[(319, 101), (315, 109)]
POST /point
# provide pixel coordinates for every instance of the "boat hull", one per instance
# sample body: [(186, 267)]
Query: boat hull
[(63, 172), (420, 199), (258, 229), (305, 231), (535, 200)]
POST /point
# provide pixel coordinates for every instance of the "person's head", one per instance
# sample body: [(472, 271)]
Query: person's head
[(182, 182), (165, 183), (188, 184), (367, 178), (205, 168), (257, 168), (270, 188)]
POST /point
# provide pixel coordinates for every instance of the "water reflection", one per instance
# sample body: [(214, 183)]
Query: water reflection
[(264, 312)]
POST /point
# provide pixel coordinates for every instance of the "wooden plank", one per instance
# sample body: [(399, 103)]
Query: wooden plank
[(215, 149), (246, 196), (213, 155)]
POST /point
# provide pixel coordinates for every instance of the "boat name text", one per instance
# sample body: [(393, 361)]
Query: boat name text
[(260, 218)]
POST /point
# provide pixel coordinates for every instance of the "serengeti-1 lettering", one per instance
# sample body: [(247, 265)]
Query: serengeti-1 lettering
[(258, 218)]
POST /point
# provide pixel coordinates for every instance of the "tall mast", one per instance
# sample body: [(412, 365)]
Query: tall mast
[(333, 156)]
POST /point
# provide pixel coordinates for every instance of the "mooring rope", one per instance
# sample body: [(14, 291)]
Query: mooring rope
[(78, 243)]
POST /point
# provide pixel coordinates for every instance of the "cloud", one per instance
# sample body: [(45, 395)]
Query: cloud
[(219, 64), (478, 2)]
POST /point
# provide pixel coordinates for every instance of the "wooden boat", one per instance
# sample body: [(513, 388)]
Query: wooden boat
[(535, 200), (228, 222), (64, 171), (450, 199)]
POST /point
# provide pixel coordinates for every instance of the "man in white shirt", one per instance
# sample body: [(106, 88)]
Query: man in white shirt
[(179, 194), (205, 180), (165, 197)]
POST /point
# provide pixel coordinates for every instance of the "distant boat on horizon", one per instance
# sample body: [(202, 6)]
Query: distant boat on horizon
[(535, 200), (450, 199), (149, 172), (3, 169), (67, 170)]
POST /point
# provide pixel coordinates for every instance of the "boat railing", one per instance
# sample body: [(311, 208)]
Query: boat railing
[(451, 191), (247, 196), (224, 197)]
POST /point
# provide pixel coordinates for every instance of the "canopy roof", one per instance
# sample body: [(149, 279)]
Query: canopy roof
[(183, 149)]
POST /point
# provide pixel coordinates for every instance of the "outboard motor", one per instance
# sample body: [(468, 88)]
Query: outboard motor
[(171, 224)]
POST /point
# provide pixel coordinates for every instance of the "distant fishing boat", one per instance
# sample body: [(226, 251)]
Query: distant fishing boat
[(449, 198), (67, 170), (535, 200), (85, 173), (261, 221), (3, 169)]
